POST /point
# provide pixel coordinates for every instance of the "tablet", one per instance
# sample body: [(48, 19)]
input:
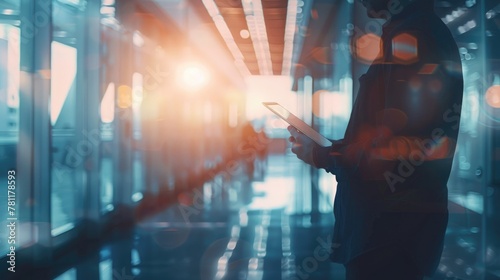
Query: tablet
[(297, 123)]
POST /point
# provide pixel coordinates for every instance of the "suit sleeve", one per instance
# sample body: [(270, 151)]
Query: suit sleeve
[(414, 90)]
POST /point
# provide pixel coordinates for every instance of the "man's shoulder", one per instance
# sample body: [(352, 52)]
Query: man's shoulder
[(425, 32)]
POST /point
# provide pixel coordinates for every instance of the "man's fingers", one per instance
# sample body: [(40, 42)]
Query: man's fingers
[(291, 139), (293, 131), (296, 147)]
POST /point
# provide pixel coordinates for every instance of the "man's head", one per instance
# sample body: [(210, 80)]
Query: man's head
[(374, 6)]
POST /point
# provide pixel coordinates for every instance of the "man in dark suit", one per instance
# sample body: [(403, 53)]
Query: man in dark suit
[(393, 164)]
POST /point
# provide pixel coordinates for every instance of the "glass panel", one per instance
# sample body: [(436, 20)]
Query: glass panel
[(71, 144), (62, 87), (74, 3), (9, 7), (109, 76), (106, 184), (66, 158), (138, 175), (107, 118), (68, 275), (464, 236), (9, 123)]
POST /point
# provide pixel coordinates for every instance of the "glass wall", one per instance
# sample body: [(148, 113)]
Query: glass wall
[(70, 140), (110, 36), (9, 7), (9, 123), (133, 132), (76, 89), (468, 181)]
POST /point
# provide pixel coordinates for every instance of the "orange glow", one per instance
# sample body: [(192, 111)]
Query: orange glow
[(393, 120), (405, 48), (314, 14), (327, 104), (322, 55), (193, 76), (415, 83), (124, 96), (428, 69), (233, 115), (380, 143), (411, 148), (368, 48), (208, 113), (108, 104), (493, 96), (264, 88), (45, 74), (435, 86)]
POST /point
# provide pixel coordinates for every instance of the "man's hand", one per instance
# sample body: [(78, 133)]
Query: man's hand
[(302, 145)]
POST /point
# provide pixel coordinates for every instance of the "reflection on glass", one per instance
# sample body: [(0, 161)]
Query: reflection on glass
[(107, 118), (106, 269), (68, 154), (108, 104), (9, 78), (75, 3), (9, 7), (106, 185), (106, 173), (68, 275), (233, 115), (64, 69), (9, 115)]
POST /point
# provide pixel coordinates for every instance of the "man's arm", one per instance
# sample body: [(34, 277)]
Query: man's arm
[(328, 157), (413, 121)]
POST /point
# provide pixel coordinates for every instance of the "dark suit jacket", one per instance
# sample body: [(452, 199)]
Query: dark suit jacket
[(394, 162)]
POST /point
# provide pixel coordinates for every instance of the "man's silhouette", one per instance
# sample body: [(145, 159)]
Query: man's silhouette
[(394, 161)]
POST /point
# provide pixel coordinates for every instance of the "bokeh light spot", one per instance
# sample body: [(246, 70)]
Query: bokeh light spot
[(493, 96), (314, 14), (428, 69), (124, 96), (193, 76), (415, 83), (244, 34), (322, 55), (185, 199), (405, 48), (368, 48), (435, 86), (108, 104)]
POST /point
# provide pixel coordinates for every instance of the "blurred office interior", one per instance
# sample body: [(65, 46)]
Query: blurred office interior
[(134, 133)]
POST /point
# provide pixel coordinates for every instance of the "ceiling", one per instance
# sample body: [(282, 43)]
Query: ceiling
[(320, 26), (311, 31), (311, 28), (316, 30), (275, 12)]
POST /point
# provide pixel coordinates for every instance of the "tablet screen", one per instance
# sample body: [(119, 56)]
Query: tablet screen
[(298, 123)]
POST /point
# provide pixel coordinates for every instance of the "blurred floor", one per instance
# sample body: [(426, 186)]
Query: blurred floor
[(241, 228)]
